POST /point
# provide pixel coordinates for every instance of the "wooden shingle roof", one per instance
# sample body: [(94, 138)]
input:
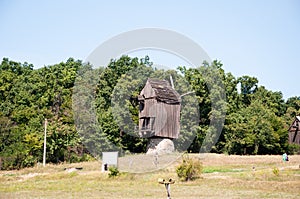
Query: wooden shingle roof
[(294, 131), (164, 92), (294, 124)]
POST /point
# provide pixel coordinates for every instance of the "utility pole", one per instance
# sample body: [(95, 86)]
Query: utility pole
[(45, 136)]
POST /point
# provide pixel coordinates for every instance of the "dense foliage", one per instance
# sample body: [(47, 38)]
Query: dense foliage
[(29, 96), (256, 120)]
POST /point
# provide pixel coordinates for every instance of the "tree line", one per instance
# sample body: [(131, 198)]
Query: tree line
[(255, 119)]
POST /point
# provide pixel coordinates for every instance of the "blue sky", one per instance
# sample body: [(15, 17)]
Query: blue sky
[(255, 38)]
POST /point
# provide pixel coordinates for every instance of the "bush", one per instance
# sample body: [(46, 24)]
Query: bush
[(276, 171), (113, 172), (189, 169), (293, 149), (16, 161)]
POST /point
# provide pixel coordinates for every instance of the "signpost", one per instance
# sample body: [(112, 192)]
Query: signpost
[(167, 185)]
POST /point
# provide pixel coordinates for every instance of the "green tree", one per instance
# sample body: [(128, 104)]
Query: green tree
[(254, 130), (29, 96), (248, 86), (207, 83), (292, 110)]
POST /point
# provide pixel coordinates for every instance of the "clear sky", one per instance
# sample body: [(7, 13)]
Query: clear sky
[(255, 38)]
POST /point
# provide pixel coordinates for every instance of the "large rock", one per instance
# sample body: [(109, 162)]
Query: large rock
[(159, 146)]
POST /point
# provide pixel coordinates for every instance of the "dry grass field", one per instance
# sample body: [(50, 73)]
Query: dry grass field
[(223, 177)]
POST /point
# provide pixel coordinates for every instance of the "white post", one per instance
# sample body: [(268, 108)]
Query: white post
[(45, 136), (172, 83)]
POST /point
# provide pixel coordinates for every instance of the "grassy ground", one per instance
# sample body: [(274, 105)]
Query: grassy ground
[(223, 177)]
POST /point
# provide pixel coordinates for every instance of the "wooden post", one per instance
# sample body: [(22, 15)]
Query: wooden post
[(167, 184), (45, 136)]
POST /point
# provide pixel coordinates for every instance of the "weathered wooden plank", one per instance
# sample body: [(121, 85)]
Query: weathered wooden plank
[(161, 102), (294, 132)]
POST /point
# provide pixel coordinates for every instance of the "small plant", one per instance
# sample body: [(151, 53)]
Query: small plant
[(189, 169), (113, 172), (276, 171)]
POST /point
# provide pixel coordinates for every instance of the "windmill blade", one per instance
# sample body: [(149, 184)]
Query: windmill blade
[(171, 80)]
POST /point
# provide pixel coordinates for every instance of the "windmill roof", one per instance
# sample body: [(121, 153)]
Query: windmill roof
[(164, 92), (292, 127)]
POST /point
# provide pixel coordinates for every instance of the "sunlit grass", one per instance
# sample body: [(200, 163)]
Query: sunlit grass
[(237, 177)]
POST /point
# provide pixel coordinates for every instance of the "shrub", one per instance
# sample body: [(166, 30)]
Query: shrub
[(113, 172), (276, 171), (189, 169), (293, 149)]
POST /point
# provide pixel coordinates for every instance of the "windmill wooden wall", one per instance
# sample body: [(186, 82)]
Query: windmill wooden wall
[(294, 131), (159, 114)]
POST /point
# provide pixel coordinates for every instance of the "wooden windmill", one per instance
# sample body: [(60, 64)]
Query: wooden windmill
[(159, 112)]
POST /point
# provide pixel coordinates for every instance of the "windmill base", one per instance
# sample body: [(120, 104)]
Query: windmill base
[(160, 146)]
